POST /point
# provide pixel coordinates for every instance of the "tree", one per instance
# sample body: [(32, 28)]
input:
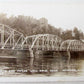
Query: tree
[(76, 33), (32, 26), (3, 18), (67, 35)]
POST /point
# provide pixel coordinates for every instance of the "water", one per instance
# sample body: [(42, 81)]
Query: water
[(43, 66)]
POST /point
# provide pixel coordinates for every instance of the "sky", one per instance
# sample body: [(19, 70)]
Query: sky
[(65, 14)]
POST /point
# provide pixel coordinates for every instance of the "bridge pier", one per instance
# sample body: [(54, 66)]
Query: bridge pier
[(31, 64), (34, 53), (31, 53), (69, 56)]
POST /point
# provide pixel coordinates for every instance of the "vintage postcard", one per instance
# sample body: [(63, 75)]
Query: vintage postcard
[(41, 40)]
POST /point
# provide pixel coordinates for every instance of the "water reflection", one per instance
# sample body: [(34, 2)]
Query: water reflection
[(47, 66)]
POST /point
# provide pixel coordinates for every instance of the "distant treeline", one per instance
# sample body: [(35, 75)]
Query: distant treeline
[(31, 26)]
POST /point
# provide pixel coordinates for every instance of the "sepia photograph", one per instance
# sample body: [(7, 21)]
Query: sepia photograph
[(41, 40)]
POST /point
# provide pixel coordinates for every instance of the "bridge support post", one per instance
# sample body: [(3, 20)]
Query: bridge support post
[(31, 53), (2, 35), (60, 61), (69, 56), (31, 64)]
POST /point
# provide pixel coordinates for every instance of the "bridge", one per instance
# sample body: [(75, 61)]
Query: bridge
[(12, 39)]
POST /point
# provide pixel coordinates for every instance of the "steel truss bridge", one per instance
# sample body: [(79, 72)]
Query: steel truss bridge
[(15, 40)]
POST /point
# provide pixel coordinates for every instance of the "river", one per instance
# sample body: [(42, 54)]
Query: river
[(43, 66)]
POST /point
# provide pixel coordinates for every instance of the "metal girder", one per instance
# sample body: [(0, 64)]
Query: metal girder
[(63, 43), (72, 45), (7, 40), (16, 44), (44, 40), (9, 37)]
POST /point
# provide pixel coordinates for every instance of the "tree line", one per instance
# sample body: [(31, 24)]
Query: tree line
[(32, 26)]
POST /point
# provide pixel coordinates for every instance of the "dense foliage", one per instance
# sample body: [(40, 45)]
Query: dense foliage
[(31, 26)]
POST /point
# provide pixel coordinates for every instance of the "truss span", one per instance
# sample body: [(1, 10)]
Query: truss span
[(72, 45), (10, 38), (42, 42)]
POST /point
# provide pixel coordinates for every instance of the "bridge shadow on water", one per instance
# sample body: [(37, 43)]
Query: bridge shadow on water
[(47, 64)]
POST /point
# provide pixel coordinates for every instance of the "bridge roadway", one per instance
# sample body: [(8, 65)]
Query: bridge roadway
[(15, 40)]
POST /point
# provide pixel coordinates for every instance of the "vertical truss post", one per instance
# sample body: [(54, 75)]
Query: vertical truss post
[(7, 41), (42, 42), (13, 38), (22, 39), (2, 35), (10, 41), (48, 42), (55, 45), (52, 43), (37, 44), (33, 38)]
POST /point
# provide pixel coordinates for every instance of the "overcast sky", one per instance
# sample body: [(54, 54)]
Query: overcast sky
[(60, 13)]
